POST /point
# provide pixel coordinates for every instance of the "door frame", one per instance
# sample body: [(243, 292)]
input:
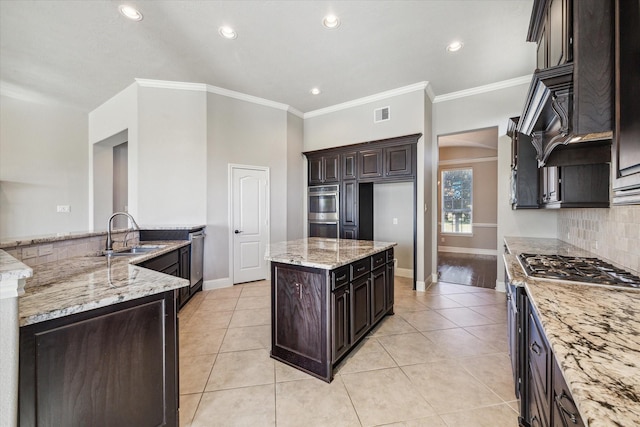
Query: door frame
[(231, 168)]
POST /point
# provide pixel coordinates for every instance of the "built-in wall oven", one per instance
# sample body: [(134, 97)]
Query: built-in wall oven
[(324, 211)]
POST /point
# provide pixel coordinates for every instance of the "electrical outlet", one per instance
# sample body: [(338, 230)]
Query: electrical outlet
[(442, 239), (64, 209), (395, 221)]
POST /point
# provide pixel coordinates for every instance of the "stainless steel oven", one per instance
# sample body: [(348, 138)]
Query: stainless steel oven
[(324, 203)]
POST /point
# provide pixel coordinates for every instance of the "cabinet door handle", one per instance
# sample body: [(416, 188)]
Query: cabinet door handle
[(238, 231), (571, 416), (299, 290), (535, 347), (344, 276)]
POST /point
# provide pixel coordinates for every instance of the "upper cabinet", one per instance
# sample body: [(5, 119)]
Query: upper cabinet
[(324, 169), (570, 98), (626, 144), (392, 159)]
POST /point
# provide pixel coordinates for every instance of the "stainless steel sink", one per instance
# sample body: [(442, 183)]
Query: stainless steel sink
[(137, 250)]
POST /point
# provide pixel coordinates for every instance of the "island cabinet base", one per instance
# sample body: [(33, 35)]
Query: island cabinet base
[(115, 366), (319, 315)]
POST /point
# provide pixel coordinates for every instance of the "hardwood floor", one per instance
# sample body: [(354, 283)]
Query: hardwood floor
[(467, 269)]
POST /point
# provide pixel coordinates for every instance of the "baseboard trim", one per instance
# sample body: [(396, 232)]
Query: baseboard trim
[(209, 285), (404, 272), (500, 287), (472, 251)]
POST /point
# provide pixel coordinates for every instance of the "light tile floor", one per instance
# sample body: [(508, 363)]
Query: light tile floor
[(441, 360)]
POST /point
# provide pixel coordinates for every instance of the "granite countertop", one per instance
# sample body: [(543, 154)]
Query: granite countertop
[(324, 253), (84, 283), (593, 332), (12, 269)]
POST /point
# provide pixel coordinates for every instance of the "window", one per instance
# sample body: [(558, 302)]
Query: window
[(457, 201)]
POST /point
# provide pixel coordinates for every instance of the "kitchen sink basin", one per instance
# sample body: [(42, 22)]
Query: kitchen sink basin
[(137, 250)]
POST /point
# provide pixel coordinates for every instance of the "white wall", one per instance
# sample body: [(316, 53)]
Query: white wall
[(172, 156), (395, 201), (43, 164), (112, 123), (240, 132), (296, 178), (485, 110), (355, 124)]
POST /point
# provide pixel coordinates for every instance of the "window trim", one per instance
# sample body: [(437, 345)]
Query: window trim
[(442, 212)]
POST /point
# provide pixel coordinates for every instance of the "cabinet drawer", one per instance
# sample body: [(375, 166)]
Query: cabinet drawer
[(565, 411), (538, 355), (360, 268), (339, 277), (162, 262), (378, 260), (390, 255)]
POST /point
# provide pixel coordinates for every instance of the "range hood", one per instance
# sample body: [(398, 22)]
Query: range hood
[(553, 116)]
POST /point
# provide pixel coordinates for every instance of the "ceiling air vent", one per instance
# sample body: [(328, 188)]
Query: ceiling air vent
[(381, 114)]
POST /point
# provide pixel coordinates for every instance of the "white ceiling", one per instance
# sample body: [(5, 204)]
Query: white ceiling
[(82, 53)]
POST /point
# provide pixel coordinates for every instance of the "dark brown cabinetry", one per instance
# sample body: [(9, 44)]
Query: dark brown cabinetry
[(349, 165), (570, 100), (525, 186), (362, 165), (318, 316), (576, 186), (545, 398), (116, 365), (324, 169), (370, 163), (626, 144)]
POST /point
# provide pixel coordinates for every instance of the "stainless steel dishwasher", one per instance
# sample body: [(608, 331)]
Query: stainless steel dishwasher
[(197, 256)]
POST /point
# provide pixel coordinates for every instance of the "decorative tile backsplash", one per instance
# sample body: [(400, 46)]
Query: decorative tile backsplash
[(613, 234), (36, 254)]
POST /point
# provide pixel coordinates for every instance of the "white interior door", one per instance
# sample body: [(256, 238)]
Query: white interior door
[(250, 228)]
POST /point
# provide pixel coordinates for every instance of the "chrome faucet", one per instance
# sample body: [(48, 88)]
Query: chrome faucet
[(109, 248)]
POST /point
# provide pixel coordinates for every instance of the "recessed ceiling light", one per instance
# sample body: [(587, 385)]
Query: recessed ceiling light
[(454, 46), (130, 12), (331, 21), (315, 91), (227, 32)]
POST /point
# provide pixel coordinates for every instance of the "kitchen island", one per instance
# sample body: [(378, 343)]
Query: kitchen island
[(326, 295), (98, 340), (588, 343)]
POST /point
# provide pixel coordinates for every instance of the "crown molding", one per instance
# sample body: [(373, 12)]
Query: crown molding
[(368, 99), (203, 87), (484, 89), (430, 93)]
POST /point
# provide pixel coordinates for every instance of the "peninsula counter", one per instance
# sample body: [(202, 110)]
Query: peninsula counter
[(326, 295)]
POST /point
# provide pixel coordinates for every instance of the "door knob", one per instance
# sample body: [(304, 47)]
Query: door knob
[(238, 231)]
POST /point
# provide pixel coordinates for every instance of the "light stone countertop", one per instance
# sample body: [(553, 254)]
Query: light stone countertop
[(594, 332), (84, 283), (326, 254), (11, 268)]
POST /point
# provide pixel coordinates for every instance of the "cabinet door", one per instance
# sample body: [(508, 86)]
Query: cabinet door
[(315, 170), (110, 366), (558, 33), (626, 144), (390, 285), (349, 204), (185, 262), (398, 161), (350, 233), (349, 165), (550, 184), (539, 356), (360, 307), (331, 166), (378, 293), (370, 163), (340, 307)]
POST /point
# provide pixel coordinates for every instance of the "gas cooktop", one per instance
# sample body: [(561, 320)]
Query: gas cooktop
[(577, 269)]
